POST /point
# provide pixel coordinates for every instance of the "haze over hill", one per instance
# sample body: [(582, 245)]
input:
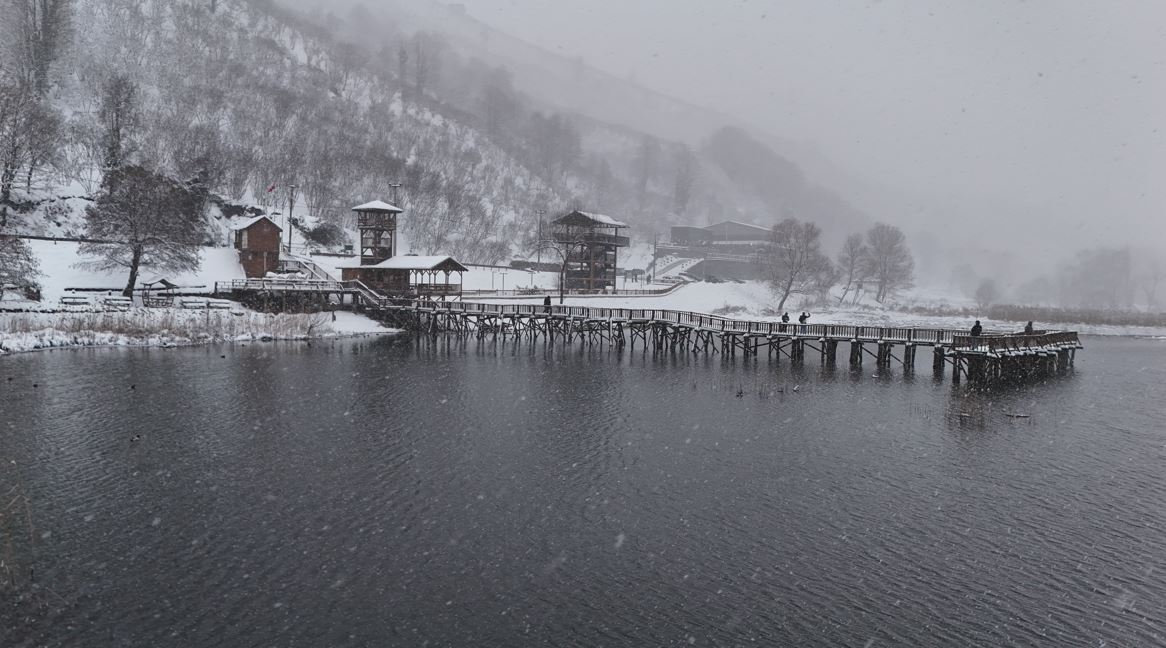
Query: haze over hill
[(978, 130), (1024, 116)]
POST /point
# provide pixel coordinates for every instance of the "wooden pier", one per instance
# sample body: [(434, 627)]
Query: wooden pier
[(989, 358)]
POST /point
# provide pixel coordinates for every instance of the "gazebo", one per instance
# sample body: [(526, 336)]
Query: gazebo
[(420, 276)]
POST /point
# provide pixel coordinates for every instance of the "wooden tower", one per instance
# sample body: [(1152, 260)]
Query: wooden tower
[(377, 222), (590, 243)]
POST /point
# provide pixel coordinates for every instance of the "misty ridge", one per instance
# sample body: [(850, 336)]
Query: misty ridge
[(488, 134)]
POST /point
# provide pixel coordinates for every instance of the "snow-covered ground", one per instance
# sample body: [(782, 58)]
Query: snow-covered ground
[(167, 327), (59, 264), (748, 300)]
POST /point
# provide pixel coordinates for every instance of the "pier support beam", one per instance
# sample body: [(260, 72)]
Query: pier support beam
[(937, 359), (829, 352), (855, 353)]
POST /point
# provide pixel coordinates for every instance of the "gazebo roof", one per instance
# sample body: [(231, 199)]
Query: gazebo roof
[(379, 207), (419, 263)]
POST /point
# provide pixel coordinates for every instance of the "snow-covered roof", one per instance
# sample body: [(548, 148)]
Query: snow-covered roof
[(378, 206), (750, 226), (577, 218), (412, 262), (251, 221), (157, 280), (604, 220)]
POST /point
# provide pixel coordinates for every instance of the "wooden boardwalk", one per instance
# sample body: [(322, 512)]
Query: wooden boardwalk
[(990, 357)]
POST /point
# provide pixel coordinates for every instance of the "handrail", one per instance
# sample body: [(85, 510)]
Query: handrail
[(993, 342)]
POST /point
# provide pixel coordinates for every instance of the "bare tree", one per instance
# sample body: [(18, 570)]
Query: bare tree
[(850, 263), (555, 144), (685, 179), (794, 262), (119, 119), (143, 220), (987, 293), (16, 106), (889, 263), (35, 31), (565, 245), (647, 159), (1098, 278), (1149, 274), (499, 105)]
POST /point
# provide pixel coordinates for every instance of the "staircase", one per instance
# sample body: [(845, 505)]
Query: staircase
[(304, 266)]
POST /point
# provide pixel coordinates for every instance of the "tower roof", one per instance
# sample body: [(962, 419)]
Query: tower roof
[(378, 206)]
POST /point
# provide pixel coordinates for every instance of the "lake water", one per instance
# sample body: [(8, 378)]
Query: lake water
[(394, 493)]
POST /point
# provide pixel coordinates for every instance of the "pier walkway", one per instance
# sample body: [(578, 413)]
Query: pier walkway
[(990, 357)]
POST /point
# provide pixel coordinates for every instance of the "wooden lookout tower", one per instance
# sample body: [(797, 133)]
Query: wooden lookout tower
[(377, 222), (590, 242)]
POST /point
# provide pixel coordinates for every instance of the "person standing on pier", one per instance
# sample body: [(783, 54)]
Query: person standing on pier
[(977, 329), (1028, 328), (547, 304), (784, 321), (803, 317)]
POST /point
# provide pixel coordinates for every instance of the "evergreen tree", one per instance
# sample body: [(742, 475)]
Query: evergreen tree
[(18, 266)]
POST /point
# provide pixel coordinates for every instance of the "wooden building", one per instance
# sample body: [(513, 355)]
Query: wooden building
[(257, 240), (377, 222), (590, 242), (410, 275)]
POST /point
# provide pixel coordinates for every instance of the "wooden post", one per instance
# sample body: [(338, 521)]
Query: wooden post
[(797, 351)]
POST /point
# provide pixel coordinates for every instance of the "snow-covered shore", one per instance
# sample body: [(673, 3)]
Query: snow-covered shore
[(141, 327)]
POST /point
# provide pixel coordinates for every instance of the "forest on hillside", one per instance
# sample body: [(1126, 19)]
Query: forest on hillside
[(246, 95), (248, 98)]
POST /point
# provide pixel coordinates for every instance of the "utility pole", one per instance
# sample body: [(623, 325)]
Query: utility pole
[(291, 205), (539, 248), (396, 199), (655, 256)]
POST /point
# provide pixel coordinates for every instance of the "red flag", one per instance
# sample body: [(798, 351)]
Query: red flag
[(271, 189)]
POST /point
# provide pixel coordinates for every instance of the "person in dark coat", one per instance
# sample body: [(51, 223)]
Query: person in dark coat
[(1028, 328), (784, 321), (803, 317), (547, 303), (977, 329)]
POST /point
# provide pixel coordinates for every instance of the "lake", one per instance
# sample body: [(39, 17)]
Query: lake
[(389, 492)]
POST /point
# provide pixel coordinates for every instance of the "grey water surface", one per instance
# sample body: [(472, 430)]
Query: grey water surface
[(395, 493)]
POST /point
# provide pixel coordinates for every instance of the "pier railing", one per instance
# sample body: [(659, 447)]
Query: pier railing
[(1015, 343), (838, 332), (958, 340)]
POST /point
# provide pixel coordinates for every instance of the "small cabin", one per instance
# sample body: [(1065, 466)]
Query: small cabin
[(258, 240), (410, 275)]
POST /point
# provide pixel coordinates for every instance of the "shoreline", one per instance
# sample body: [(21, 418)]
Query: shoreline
[(144, 343), (171, 328)]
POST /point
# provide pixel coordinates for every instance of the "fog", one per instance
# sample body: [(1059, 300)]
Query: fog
[(1002, 136), (1054, 107)]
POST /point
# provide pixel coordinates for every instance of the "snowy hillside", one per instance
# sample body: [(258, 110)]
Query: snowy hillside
[(252, 99)]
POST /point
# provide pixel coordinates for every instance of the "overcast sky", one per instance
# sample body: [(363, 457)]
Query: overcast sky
[(1052, 103)]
